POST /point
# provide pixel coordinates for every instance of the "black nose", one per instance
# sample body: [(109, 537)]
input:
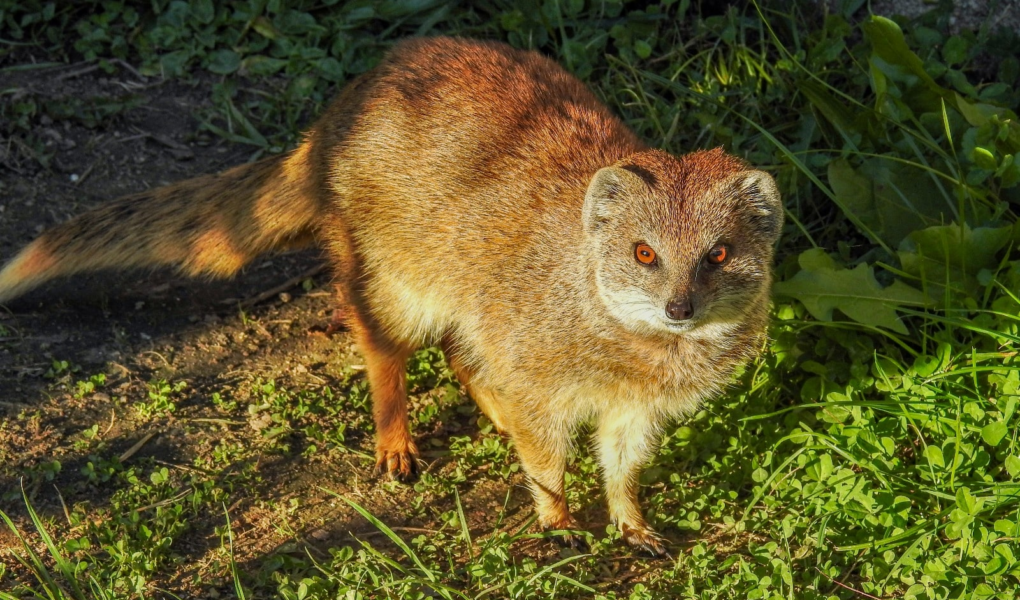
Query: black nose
[(680, 309)]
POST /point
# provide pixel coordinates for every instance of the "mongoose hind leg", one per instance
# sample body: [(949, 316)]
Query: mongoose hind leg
[(626, 440)]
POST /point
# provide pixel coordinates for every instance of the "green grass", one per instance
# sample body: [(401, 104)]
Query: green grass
[(871, 452)]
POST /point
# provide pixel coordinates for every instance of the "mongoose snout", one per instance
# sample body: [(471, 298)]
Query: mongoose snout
[(680, 309)]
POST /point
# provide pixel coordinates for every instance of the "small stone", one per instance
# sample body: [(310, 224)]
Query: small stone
[(319, 534), (182, 153), (260, 422)]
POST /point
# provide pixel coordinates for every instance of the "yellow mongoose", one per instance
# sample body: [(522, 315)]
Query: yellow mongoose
[(480, 197)]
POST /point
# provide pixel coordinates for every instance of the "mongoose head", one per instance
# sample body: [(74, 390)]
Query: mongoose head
[(682, 245)]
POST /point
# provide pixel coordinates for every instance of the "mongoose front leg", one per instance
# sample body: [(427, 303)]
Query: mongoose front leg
[(543, 452), (625, 440), (385, 362), (386, 368)]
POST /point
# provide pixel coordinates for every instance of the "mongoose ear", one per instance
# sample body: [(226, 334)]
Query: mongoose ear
[(757, 191), (606, 189)]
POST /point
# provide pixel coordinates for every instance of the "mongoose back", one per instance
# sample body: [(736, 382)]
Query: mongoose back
[(480, 197)]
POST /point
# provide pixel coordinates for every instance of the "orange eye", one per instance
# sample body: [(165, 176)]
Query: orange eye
[(718, 254), (644, 254)]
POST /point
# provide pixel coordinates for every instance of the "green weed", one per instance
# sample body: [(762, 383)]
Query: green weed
[(87, 386), (161, 398)]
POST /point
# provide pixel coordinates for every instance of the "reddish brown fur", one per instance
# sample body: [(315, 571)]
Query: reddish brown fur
[(36, 259), (480, 197), (208, 226)]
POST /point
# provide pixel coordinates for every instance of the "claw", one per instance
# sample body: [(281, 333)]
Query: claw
[(566, 534), (574, 541), (647, 540), (401, 466), (656, 551)]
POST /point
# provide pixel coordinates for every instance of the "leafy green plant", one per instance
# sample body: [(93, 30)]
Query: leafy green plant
[(87, 386), (60, 368), (821, 286), (488, 568), (314, 420), (161, 395)]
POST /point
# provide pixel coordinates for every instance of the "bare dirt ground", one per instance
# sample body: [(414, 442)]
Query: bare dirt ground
[(215, 336), (965, 14)]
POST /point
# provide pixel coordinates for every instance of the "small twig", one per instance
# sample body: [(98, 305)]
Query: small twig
[(234, 505), (260, 328), (846, 587), (405, 529), (355, 452), (61, 67), (113, 416), (183, 467), (163, 358), (627, 576), (77, 73), (217, 421), (167, 501), (135, 86), (131, 138), (127, 66), (310, 545), (85, 175), (315, 378), (25, 148), (85, 71), (162, 139), (63, 505), (124, 370), (286, 285), (138, 445)]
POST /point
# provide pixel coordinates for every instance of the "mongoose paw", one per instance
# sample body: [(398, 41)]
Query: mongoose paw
[(402, 466), (337, 322), (568, 535), (647, 540), (574, 541)]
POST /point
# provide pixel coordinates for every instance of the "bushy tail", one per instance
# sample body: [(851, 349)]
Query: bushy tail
[(212, 226)]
